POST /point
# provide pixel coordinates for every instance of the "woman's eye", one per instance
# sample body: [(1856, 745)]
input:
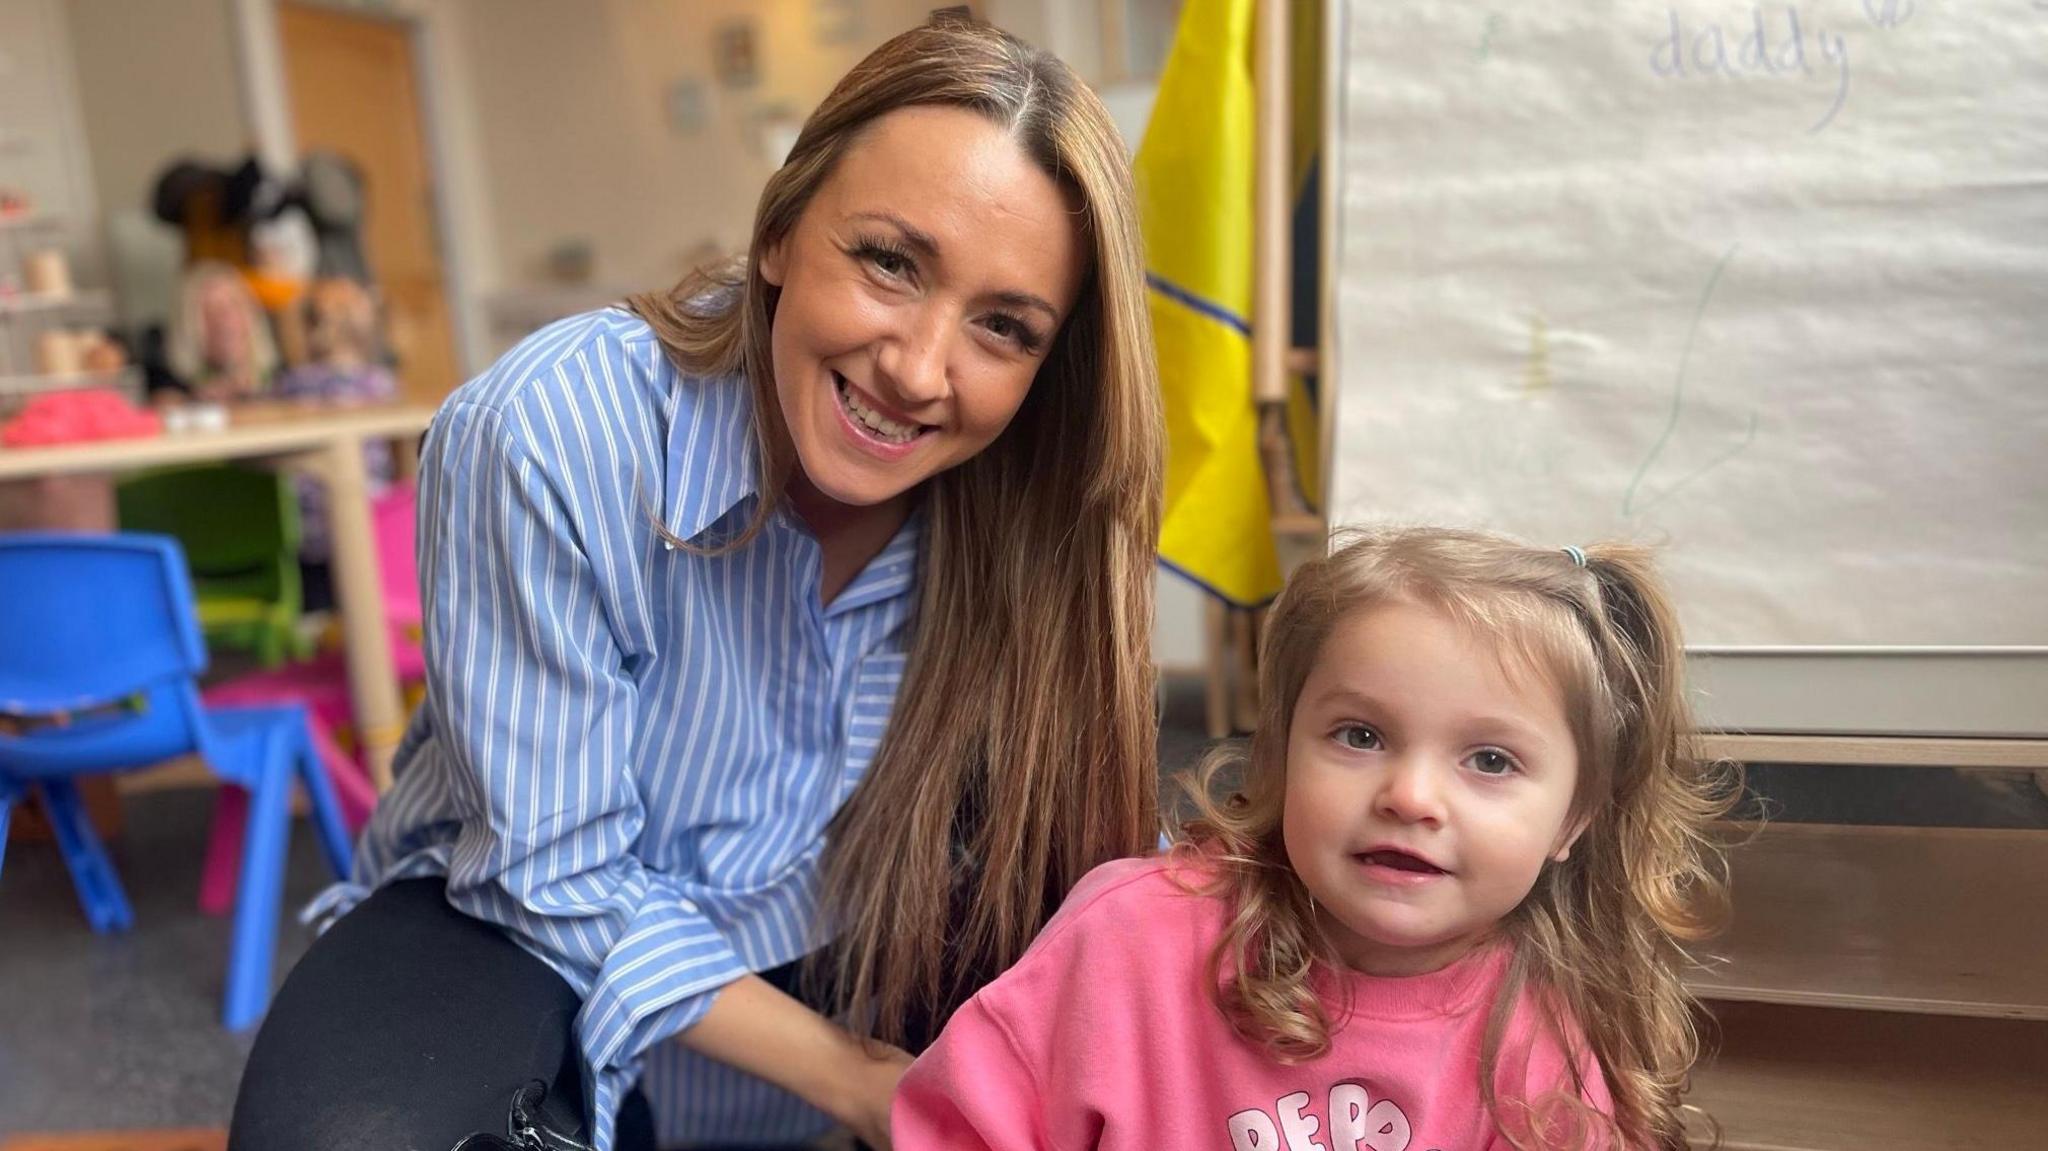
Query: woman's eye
[(1492, 762), (1358, 738), (886, 258), (1014, 330)]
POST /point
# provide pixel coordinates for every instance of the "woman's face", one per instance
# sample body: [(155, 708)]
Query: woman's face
[(921, 290)]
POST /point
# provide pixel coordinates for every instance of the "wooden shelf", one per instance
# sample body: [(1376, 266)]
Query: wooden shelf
[(129, 378), (90, 300), (1905, 919), (1300, 526), (1868, 751), (1810, 1079)]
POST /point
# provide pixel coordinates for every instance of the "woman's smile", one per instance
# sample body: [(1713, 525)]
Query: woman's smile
[(875, 425)]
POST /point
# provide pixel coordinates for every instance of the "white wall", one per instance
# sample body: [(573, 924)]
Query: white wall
[(575, 137), (42, 150), (156, 81)]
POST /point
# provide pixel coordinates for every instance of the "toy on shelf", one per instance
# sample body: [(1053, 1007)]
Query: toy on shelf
[(282, 251), (72, 417), (47, 273), (221, 344), (331, 191), (341, 356), (211, 206), (64, 352)]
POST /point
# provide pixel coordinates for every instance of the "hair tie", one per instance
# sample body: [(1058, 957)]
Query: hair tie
[(1577, 556)]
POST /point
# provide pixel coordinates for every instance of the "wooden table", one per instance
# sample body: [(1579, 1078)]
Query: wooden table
[(324, 443)]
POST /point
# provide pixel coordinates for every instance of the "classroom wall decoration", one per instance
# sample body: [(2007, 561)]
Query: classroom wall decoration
[(1766, 284), (736, 54)]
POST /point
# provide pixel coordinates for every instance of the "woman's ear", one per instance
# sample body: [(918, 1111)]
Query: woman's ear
[(771, 263)]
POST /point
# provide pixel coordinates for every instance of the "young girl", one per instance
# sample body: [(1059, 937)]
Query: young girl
[(1441, 913)]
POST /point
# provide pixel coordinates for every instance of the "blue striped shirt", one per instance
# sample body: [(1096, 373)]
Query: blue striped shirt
[(628, 752)]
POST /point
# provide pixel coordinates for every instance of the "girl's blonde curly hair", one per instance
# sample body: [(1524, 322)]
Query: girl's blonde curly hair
[(1599, 936)]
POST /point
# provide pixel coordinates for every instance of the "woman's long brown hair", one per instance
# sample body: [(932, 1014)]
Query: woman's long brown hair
[(1021, 752)]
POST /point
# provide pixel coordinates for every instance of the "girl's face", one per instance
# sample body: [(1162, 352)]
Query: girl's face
[(921, 290), (1427, 786)]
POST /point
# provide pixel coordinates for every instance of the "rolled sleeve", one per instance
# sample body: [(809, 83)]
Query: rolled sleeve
[(657, 980), (538, 711)]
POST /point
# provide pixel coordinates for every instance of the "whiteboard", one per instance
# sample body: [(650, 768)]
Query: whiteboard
[(1765, 285)]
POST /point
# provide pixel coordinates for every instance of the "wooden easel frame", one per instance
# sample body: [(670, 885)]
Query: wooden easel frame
[(1230, 632)]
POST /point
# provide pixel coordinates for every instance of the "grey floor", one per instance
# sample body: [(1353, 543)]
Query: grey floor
[(123, 1031), (108, 1031)]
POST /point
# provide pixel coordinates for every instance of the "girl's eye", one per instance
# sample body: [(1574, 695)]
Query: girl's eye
[(1492, 761), (1358, 737)]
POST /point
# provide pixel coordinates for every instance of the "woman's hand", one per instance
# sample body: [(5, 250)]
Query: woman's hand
[(755, 1027), (869, 1089)]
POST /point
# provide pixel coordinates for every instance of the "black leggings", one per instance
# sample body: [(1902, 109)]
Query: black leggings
[(411, 1025)]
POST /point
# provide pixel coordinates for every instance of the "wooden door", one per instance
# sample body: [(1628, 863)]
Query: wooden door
[(354, 92)]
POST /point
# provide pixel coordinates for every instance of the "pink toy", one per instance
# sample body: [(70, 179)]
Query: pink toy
[(71, 417)]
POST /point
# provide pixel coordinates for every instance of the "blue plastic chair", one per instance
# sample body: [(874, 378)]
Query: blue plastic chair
[(98, 633)]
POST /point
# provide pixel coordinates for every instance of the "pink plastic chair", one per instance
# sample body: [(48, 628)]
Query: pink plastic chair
[(393, 517), (322, 685)]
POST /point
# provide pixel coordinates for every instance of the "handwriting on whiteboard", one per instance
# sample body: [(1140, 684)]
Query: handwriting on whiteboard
[(1775, 44), (1493, 23), (1781, 46), (1638, 501), (1888, 13)]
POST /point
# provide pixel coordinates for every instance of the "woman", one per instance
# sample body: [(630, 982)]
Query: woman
[(806, 604)]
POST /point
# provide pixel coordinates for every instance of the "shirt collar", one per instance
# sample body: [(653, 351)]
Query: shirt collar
[(714, 467), (892, 574), (713, 459)]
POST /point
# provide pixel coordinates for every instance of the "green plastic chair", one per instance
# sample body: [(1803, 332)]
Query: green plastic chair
[(239, 528)]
